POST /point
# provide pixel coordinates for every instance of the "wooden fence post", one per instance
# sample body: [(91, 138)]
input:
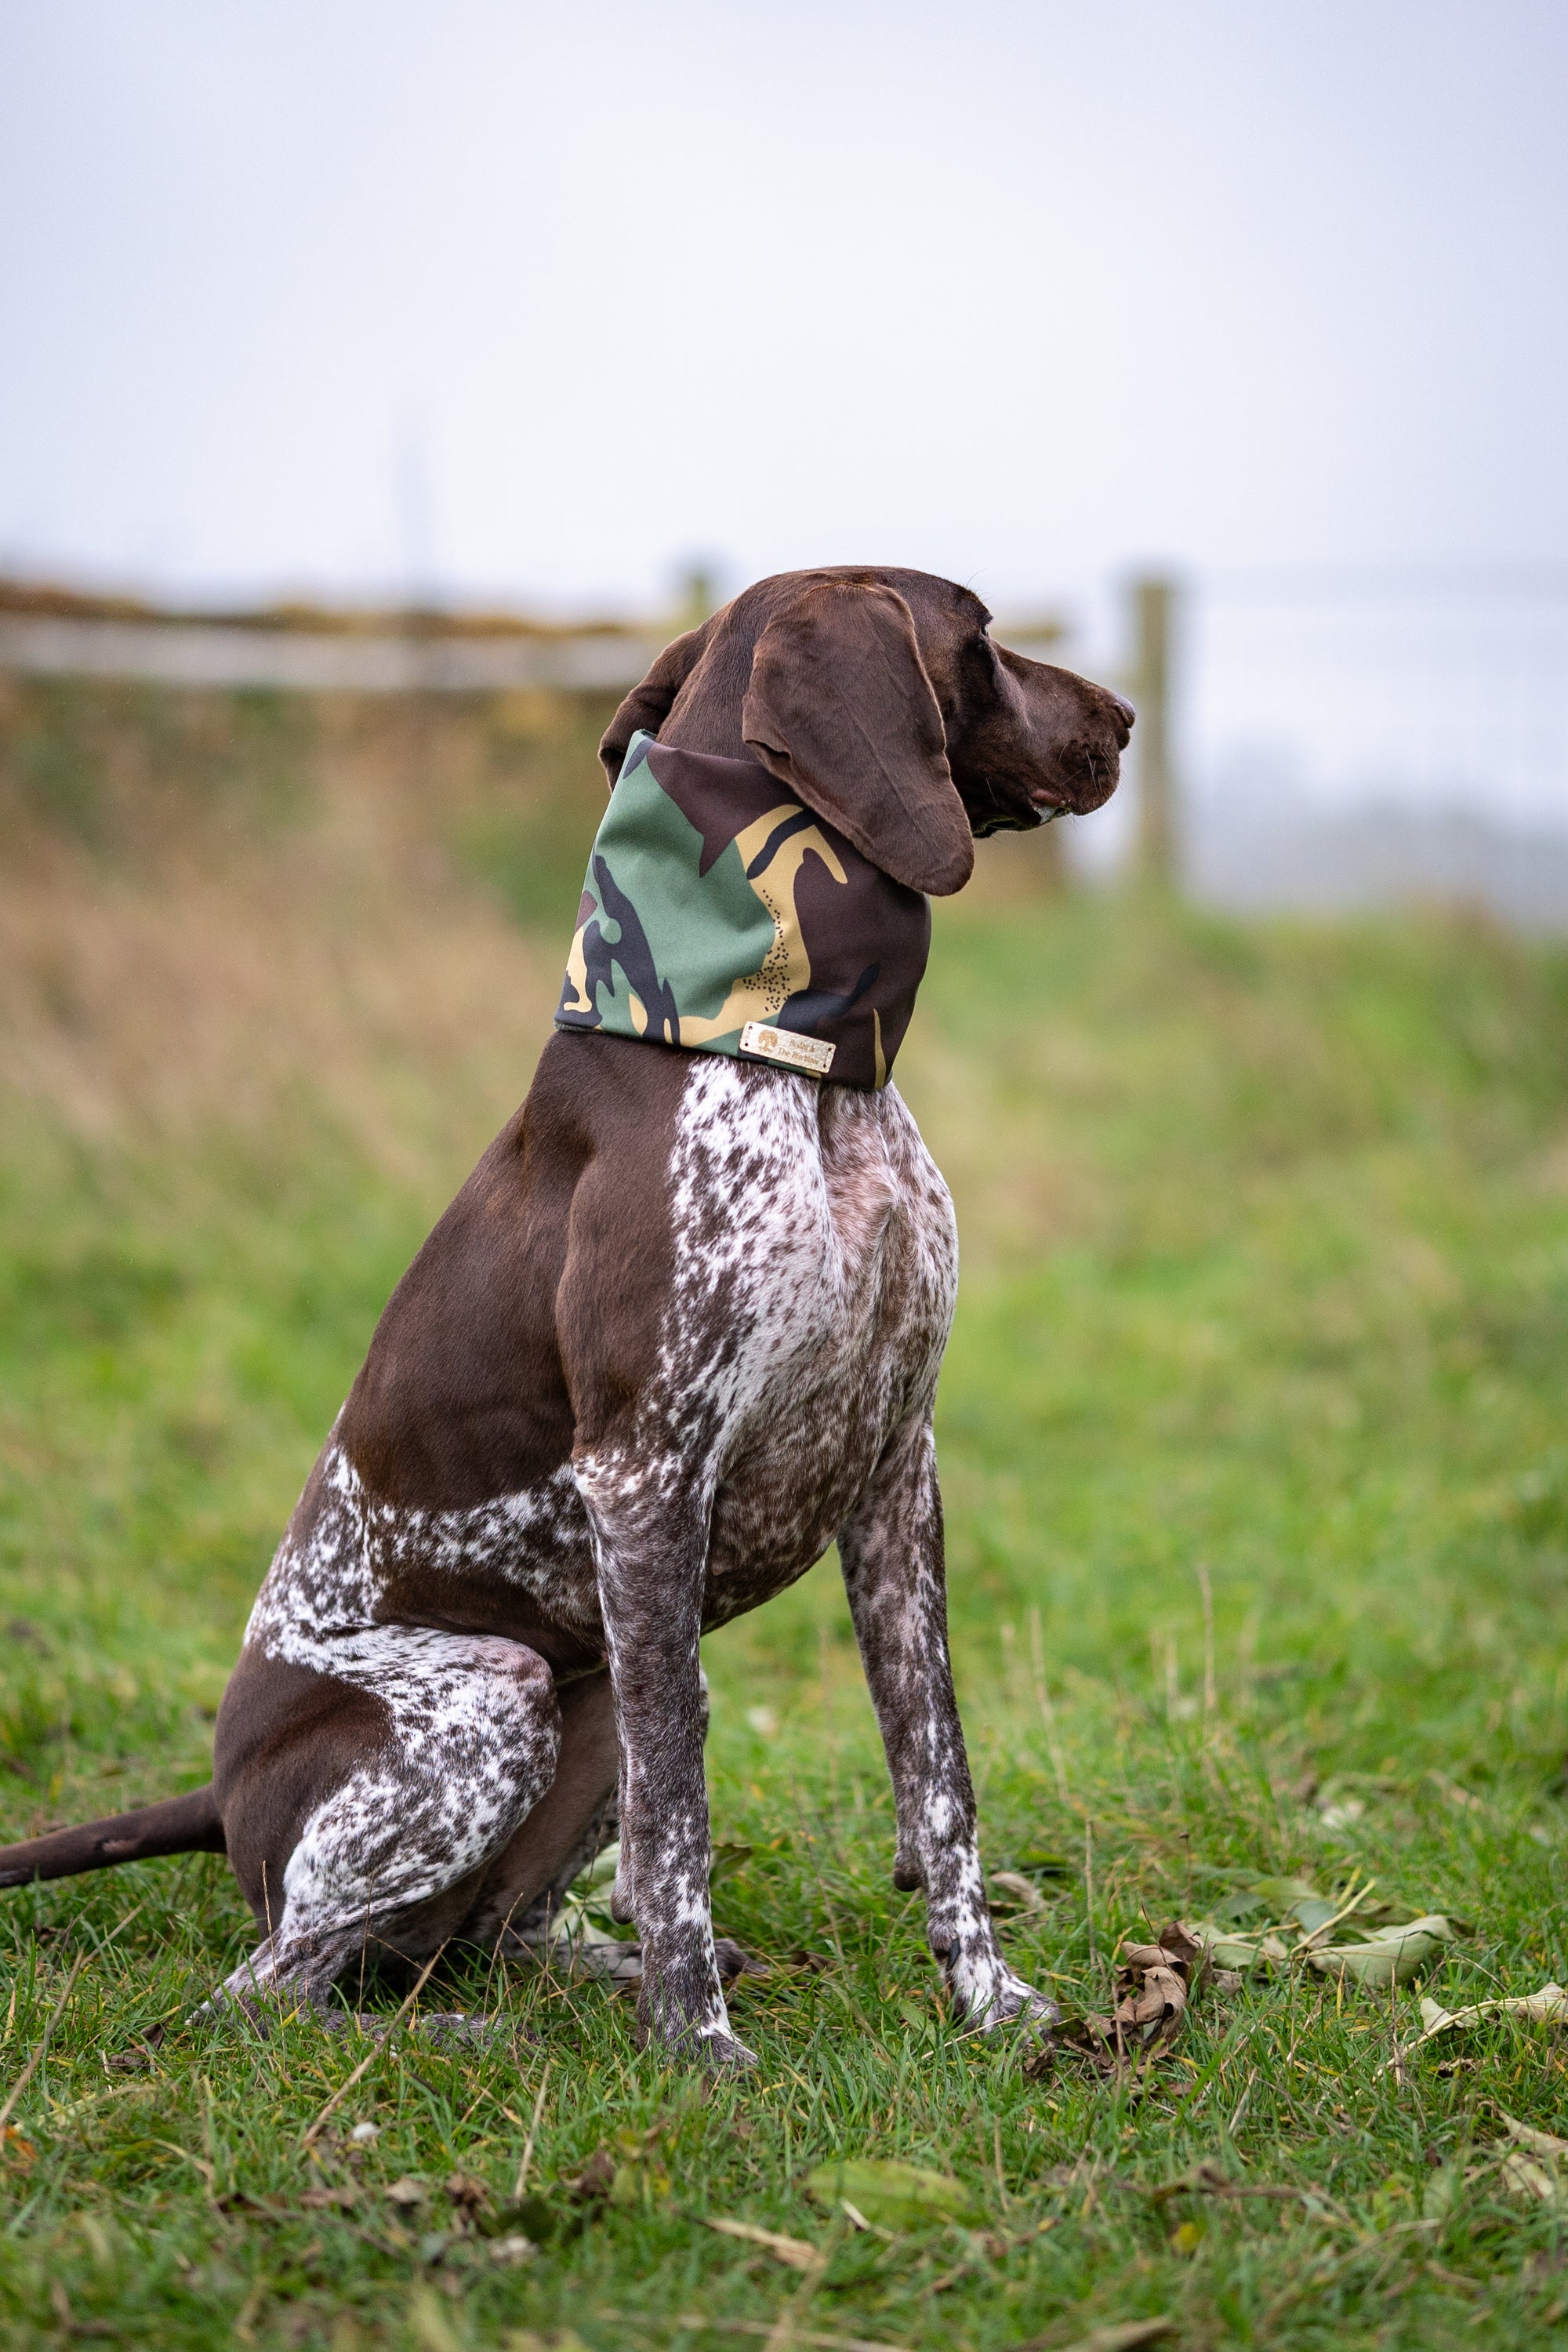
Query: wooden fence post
[(1154, 616)]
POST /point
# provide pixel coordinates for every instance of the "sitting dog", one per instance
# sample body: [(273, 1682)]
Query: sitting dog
[(678, 1334)]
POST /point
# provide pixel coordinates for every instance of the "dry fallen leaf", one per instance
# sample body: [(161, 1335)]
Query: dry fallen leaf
[(1023, 1891), (467, 2194), (1524, 2177), (1392, 1955), (139, 2057), (1153, 1982), (1228, 1950), (1270, 1898), (407, 2191), (1538, 2143), (1547, 2006), (798, 2252), (1186, 1951), (728, 1859), (596, 2180)]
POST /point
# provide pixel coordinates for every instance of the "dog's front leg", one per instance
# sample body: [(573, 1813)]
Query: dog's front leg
[(650, 1523), (894, 1574)]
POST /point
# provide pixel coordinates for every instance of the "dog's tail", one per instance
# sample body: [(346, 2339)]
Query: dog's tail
[(189, 1824)]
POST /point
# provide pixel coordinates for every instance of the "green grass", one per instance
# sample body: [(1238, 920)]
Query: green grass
[(1265, 1284)]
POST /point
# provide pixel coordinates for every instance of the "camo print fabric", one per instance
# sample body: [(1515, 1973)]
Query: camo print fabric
[(713, 898)]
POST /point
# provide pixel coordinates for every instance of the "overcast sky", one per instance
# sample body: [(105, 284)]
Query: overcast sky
[(537, 302)]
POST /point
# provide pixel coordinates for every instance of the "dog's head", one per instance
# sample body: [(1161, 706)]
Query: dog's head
[(879, 697)]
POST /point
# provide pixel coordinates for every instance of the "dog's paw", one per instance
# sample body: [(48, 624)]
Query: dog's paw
[(988, 1995), (714, 2049), (1016, 2003), (457, 2029), (720, 2053)]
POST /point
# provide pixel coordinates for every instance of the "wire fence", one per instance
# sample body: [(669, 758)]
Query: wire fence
[(1304, 740), (1342, 740)]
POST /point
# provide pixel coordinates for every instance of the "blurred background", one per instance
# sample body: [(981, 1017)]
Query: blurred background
[(383, 385), (1220, 348)]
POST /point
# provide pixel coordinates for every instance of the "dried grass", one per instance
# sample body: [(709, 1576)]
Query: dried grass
[(228, 975)]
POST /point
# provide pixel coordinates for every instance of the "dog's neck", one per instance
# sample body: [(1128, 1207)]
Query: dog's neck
[(720, 916)]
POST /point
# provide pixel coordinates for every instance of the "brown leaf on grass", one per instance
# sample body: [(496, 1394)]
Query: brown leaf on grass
[(1155, 1981), (1185, 1950), (468, 2195), (1154, 1997), (138, 2056), (407, 2193), (509, 2251), (734, 1961), (594, 2182), (320, 2199), (1529, 2167), (16, 2146)]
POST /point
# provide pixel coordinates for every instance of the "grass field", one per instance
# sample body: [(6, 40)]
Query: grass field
[(1256, 1397)]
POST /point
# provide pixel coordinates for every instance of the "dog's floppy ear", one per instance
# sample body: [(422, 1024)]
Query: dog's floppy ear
[(648, 705), (840, 708)]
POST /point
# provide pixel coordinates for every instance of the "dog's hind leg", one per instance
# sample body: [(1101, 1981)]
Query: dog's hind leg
[(350, 1848), (891, 1552), (526, 1883)]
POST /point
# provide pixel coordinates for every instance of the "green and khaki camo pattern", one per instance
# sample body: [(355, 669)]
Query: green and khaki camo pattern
[(719, 915)]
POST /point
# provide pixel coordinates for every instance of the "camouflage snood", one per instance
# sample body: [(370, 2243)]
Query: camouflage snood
[(721, 916)]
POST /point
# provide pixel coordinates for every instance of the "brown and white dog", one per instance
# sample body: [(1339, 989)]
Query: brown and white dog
[(677, 1335)]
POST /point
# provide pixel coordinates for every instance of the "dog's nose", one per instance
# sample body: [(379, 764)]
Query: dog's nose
[(1125, 711)]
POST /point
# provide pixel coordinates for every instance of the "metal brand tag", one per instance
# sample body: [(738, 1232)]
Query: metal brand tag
[(813, 1055)]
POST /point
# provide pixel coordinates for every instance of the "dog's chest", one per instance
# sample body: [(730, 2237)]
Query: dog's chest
[(816, 1268)]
